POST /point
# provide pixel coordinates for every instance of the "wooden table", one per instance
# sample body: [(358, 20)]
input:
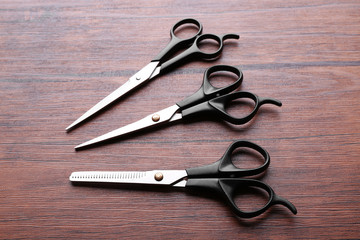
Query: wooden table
[(59, 58)]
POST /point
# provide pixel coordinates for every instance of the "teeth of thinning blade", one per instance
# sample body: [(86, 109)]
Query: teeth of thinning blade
[(99, 176)]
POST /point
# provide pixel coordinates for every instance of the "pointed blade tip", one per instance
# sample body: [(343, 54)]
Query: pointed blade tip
[(86, 144), (73, 125), (78, 147), (68, 129)]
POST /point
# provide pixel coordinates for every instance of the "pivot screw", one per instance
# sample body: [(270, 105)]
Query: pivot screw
[(155, 117), (158, 176)]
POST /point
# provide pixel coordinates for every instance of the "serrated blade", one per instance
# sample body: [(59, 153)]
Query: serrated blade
[(168, 177)]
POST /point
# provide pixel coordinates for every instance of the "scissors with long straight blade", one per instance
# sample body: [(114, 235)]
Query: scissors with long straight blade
[(207, 101), (222, 178), (162, 63)]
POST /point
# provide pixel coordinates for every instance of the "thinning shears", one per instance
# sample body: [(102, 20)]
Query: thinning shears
[(222, 178), (207, 101), (162, 62)]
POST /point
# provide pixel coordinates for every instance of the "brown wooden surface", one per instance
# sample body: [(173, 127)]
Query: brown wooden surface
[(59, 58)]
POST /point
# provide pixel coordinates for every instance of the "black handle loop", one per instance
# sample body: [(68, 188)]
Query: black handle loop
[(217, 107), (207, 91), (176, 43), (227, 188), (183, 22), (224, 167), (220, 41), (194, 51), (223, 178)]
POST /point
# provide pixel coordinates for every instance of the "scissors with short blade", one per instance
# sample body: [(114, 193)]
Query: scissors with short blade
[(221, 177), (207, 101), (162, 63)]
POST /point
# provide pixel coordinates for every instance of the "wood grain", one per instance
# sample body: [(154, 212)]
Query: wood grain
[(59, 58)]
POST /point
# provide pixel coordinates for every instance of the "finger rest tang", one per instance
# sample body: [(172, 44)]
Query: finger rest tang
[(229, 36), (270, 101), (286, 203)]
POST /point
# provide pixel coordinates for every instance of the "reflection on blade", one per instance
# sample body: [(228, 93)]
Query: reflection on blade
[(165, 115), (160, 177), (103, 103), (156, 72), (136, 80)]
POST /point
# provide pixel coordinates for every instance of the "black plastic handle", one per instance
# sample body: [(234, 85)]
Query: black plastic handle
[(227, 188), (177, 43), (194, 52), (217, 107), (207, 91), (224, 167)]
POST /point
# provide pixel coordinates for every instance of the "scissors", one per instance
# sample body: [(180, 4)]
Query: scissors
[(207, 101), (162, 63), (221, 177)]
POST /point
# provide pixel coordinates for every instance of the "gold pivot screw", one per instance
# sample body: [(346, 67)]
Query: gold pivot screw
[(155, 117), (158, 176)]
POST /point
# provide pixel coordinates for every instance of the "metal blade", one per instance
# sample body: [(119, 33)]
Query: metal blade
[(155, 73), (158, 177), (136, 80), (166, 115)]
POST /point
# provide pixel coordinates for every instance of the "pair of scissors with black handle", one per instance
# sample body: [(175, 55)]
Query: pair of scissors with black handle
[(208, 101), (162, 62), (222, 178)]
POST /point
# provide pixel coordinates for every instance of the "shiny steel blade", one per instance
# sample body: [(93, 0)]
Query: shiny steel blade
[(158, 177), (156, 72), (136, 80), (166, 115)]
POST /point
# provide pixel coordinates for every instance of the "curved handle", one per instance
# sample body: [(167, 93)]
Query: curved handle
[(207, 91), (224, 167), (217, 107), (176, 42), (227, 188), (218, 38), (195, 52)]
